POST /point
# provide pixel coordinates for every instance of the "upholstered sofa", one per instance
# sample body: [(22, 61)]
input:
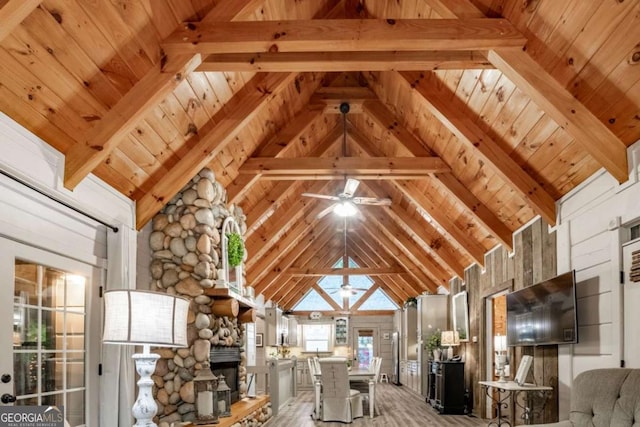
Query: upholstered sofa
[(604, 397)]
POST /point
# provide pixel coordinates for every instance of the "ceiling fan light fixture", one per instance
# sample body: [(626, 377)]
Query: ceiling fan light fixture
[(345, 292), (345, 208)]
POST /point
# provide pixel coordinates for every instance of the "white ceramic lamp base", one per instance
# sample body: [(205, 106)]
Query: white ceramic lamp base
[(145, 406)]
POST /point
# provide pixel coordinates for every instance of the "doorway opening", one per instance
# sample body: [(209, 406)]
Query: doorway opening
[(364, 348), (497, 354)]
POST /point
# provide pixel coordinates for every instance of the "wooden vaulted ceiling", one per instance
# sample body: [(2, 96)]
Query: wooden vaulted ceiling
[(473, 116)]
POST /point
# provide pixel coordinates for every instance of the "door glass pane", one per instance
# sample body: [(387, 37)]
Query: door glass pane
[(25, 368), (365, 348), (49, 350)]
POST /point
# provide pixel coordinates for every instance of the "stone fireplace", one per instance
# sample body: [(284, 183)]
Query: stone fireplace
[(187, 260), (226, 361)]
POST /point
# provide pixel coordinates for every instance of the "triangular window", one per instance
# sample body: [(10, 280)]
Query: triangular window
[(312, 301), (378, 301)]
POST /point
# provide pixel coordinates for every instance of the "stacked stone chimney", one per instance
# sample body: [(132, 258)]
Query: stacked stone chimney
[(187, 260)]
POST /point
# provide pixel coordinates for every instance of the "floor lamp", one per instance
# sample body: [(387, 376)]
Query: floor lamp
[(147, 319)]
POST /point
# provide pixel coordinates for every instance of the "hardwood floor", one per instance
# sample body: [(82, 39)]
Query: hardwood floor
[(396, 407)]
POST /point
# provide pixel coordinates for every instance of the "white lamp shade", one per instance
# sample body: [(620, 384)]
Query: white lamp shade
[(500, 343), (450, 338), (145, 318)]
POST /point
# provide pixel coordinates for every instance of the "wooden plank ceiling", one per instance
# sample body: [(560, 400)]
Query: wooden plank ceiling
[(474, 115)]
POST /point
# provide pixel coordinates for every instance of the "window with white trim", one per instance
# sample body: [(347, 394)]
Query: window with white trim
[(317, 337)]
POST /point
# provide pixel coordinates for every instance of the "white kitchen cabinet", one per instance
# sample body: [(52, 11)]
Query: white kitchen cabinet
[(292, 331), (342, 331), (303, 379), (273, 326)]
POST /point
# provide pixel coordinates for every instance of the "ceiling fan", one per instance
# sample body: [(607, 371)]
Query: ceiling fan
[(345, 202), (345, 289)]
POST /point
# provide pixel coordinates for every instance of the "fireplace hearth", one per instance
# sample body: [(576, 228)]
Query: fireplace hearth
[(226, 361)]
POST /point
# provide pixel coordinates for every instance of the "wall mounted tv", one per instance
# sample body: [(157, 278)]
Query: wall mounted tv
[(544, 313)]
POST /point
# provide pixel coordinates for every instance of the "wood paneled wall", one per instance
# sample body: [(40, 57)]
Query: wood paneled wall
[(533, 260)]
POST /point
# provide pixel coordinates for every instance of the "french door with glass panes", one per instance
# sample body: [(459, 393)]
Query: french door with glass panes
[(46, 352)]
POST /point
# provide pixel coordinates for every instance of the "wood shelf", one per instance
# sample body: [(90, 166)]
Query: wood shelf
[(226, 293), (239, 410)]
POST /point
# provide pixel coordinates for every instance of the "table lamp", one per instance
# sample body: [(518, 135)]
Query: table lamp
[(450, 338), (147, 319), (500, 347)]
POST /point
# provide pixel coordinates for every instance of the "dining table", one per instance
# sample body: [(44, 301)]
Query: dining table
[(355, 374)]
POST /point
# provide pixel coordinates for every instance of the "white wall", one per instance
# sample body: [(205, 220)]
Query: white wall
[(32, 218), (592, 225)]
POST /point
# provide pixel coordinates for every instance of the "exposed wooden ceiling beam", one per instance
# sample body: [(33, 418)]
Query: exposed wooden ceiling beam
[(345, 61), (13, 13), (146, 94), (364, 256), (300, 235), (346, 313), (376, 271), (425, 202), (398, 286), (279, 145), (423, 233), (343, 165), (476, 208), (448, 228), (447, 225), (323, 35), (271, 231), (330, 98), (406, 259), (381, 114), (339, 176), (325, 255), (364, 297), (119, 121), (550, 96), (319, 253), (303, 286), (453, 113), (214, 136), (403, 240), (554, 99), (267, 204), (281, 190)]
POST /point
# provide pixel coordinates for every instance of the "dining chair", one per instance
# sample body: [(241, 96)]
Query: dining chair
[(339, 402), (363, 386)]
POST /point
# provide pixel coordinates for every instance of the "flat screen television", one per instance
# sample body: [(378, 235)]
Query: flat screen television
[(544, 313)]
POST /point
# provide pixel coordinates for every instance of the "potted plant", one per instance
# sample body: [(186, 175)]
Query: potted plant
[(235, 249), (432, 345), (411, 302)]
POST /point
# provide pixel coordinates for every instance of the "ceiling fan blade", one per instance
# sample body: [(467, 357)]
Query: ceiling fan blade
[(321, 196), (324, 212), (371, 201), (350, 187)]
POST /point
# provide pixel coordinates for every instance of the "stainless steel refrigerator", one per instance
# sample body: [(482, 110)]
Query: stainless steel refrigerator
[(395, 358)]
